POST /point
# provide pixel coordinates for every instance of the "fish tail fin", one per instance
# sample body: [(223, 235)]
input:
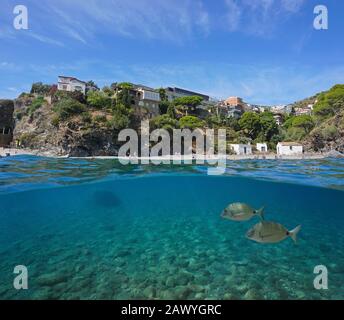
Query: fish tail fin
[(260, 213), (293, 233)]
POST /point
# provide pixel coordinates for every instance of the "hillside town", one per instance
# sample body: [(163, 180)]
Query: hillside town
[(253, 129)]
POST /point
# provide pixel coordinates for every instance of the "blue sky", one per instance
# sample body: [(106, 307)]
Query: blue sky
[(265, 51)]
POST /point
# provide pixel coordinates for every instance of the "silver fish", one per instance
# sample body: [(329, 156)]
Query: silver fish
[(271, 232), (241, 212)]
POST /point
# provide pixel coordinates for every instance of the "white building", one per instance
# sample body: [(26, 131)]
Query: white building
[(241, 149), (148, 98), (289, 148), (71, 84), (262, 147)]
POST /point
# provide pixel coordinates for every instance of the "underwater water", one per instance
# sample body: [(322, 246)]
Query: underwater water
[(93, 229)]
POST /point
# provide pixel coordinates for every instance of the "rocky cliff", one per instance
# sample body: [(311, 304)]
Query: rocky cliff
[(6, 122), (36, 128), (327, 136)]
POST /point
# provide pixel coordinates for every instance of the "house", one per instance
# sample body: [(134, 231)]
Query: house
[(241, 149), (235, 112), (228, 111), (148, 98), (91, 87), (174, 93), (234, 101), (262, 147), (304, 111), (289, 148), (144, 100), (71, 84), (279, 119)]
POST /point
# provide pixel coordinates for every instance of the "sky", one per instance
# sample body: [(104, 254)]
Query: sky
[(265, 51)]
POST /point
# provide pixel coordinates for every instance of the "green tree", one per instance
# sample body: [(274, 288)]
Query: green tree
[(35, 105), (304, 121), (330, 102), (163, 107), (40, 88), (191, 122), (288, 122), (164, 122), (67, 108), (233, 123), (120, 118), (108, 91), (214, 121), (99, 100), (124, 95), (250, 124), (268, 126), (163, 95), (171, 112), (125, 85), (188, 103)]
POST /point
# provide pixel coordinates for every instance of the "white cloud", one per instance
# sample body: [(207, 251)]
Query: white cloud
[(233, 15), (259, 17), (292, 5), (153, 19), (44, 39)]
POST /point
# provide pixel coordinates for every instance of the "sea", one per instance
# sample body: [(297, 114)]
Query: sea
[(97, 229)]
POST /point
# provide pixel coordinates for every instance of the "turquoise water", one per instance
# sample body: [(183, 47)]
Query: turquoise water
[(97, 230)]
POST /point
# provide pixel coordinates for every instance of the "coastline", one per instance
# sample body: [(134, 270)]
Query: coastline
[(5, 152)]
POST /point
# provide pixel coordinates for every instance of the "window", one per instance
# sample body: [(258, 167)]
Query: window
[(64, 87)]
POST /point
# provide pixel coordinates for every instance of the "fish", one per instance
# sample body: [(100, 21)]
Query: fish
[(271, 232), (241, 212)]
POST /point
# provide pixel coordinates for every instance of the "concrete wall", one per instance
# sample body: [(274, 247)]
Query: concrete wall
[(262, 147), (241, 149), (289, 150)]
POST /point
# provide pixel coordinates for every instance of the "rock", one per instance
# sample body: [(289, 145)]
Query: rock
[(200, 296), (168, 295), (6, 122), (230, 296), (196, 288), (52, 279), (183, 278), (252, 294), (335, 154), (170, 282), (149, 292), (182, 292)]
